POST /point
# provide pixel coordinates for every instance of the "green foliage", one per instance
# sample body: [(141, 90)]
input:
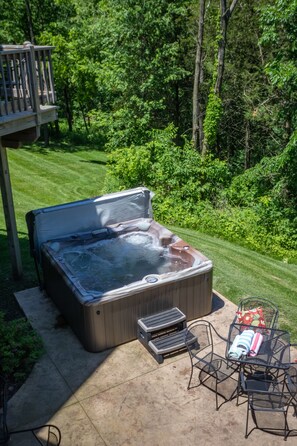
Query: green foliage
[(256, 209), (269, 192), (142, 67), (11, 30), (20, 347), (214, 111), (125, 68), (245, 226), (279, 35), (130, 165), (176, 174), (273, 178)]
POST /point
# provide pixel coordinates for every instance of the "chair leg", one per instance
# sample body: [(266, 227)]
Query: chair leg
[(238, 390), (287, 430), (247, 419), (190, 377)]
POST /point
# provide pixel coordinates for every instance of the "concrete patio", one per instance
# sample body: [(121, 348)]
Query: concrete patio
[(122, 396)]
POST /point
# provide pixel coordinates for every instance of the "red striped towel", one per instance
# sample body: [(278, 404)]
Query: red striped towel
[(256, 344)]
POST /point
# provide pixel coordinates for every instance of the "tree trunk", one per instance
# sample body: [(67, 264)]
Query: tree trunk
[(247, 149), (222, 48), (176, 106), (68, 108), (46, 135), (57, 128), (30, 23), (197, 119), (226, 14), (84, 118)]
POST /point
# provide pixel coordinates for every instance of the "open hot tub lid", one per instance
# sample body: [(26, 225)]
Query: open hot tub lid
[(85, 216)]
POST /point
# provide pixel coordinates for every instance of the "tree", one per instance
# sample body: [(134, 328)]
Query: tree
[(197, 124), (279, 34), (214, 106), (12, 20), (144, 66), (226, 13), (245, 134), (30, 21)]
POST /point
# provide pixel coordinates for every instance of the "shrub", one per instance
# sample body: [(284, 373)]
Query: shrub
[(173, 172), (130, 165), (20, 347)]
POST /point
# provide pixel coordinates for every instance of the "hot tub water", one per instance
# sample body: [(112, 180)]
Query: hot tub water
[(104, 265)]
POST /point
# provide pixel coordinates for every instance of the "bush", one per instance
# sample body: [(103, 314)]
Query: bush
[(173, 172), (20, 347), (131, 166)]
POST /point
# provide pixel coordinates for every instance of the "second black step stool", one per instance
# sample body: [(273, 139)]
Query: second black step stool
[(163, 332)]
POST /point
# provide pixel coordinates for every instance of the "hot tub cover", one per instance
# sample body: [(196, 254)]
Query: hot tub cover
[(85, 216)]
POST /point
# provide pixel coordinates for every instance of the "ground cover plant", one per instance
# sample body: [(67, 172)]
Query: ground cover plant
[(20, 347)]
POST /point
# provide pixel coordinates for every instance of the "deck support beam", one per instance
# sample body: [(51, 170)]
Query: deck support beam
[(9, 214)]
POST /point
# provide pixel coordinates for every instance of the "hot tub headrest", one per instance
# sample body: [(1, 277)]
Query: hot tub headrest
[(85, 216)]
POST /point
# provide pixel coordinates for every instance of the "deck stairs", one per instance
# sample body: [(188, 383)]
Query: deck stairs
[(163, 333)]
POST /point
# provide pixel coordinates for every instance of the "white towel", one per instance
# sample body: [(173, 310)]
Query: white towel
[(245, 341), (234, 352), (241, 344)]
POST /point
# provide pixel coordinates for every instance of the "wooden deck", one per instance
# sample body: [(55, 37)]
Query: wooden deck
[(27, 95)]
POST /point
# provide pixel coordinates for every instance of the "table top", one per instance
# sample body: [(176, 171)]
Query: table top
[(274, 350)]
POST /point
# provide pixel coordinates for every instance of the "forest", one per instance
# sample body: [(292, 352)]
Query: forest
[(196, 100)]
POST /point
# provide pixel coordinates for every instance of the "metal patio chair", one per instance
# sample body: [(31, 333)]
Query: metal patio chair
[(269, 400), (268, 309), (215, 372), (293, 376), (45, 435)]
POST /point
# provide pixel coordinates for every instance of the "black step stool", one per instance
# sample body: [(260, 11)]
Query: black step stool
[(163, 332)]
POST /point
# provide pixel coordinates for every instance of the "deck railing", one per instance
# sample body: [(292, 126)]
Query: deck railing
[(26, 78)]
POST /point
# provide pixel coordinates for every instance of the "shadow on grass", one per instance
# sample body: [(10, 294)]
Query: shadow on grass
[(94, 162), (63, 145), (9, 285), (67, 143)]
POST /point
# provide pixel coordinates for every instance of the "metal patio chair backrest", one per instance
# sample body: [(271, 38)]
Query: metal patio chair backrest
[(269, 309)]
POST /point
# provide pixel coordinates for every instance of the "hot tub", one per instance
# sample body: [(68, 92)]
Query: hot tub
[(105, 270)]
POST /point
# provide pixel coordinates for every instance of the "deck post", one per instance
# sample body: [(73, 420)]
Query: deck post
[(9, 214)]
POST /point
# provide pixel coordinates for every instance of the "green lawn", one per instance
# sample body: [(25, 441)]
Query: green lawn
[(46, 177)]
